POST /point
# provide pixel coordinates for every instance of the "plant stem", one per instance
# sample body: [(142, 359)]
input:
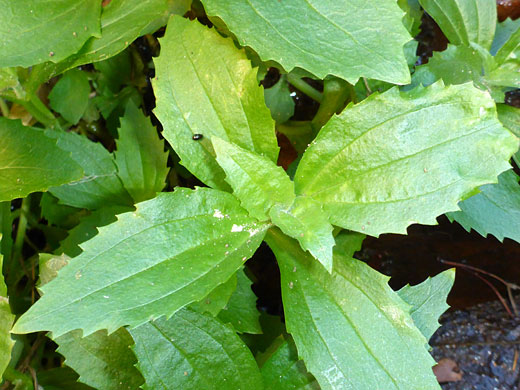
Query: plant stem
[(20, 231), (24, 382), (4, 109), (40, 111), (304, 87), (336, 93)]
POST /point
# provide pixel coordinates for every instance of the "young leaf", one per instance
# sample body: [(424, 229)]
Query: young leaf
[(456, 65), (140, 155), (70, 95), (241, 311), (193, 351), (283, 370), (495, 210), (6, 322), (101, 186), (217, 299), (206, 86), (464, 21), (257, 181), (306, 221), (102, 361), (122, 21), (428, 301), (510, 50), (278, 99), (34, 31), (30, 161), (405, 157), (350, 323), (503, 33), (88, 228), (192, 245), (339, 34)]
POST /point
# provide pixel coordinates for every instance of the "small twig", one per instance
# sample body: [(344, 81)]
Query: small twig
[(500, 297), (511, 285), (515, 360), (512, 300), (27, 361), (34, 377), (369, 91)]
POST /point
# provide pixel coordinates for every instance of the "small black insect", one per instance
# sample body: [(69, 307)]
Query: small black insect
[(197, 137)]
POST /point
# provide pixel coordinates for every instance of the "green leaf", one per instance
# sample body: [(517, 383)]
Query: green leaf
[(440, 143), (306, 221), (88, 228), (464, 21), (510, 118), (101, 185), (6, 229), (240, 311), (337, 35), (278, 99), (6, 322), (61, 378), (283, 370), (350, 323), (191, 246), (257, 181), (102, 361), (510, 50), (70, 95), (211, 90), (217, 299), (193, 351), (428, 301), (503, 32), (495, 210), (140, 155), (58, 214), (455, 65), (121, 23), (30, 162), (34, 31), (49, 265)]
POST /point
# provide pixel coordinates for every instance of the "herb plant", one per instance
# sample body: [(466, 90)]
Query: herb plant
[(144, 282)]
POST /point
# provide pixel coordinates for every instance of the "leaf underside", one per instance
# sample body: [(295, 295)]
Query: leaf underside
[(342, 32)]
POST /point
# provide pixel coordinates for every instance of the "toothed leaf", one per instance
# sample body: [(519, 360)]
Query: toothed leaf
[(172, 251), (350, 323), (30, 161), (428, 301), (205, 85), (337, 34), (405, 157), (194, 351)]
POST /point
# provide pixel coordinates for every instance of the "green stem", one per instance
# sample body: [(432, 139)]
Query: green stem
[(40, 111), (22, 381), (336, 93), (20, 232), (4, 109), (304, 87)]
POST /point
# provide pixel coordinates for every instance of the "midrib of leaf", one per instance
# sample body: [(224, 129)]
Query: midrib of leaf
[(217, 265), (430, 297), (182, 352), (243, 112), (454, 27), (143, 270), (41, 25), (295, 254), (342, 151), (217, 342), (370, 169)]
